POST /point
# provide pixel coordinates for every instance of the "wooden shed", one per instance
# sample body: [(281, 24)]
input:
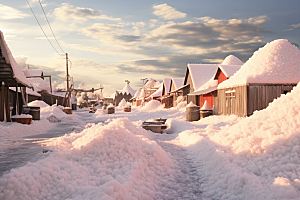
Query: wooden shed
[(196, 76), (260, 80)]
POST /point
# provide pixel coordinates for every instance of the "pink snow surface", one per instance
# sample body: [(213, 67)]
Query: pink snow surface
[(122, 103), (277, 62), (232, 60), (152, 106), (178, 82), (115, 161), (256, 158)]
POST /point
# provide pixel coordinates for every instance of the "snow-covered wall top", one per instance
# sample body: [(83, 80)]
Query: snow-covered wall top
[(232, 60), (167, 83), (277, 62), (178, 82), (17, 72), (201, 73)]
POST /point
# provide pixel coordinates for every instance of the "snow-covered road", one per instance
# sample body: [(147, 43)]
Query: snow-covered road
[(20, 151)]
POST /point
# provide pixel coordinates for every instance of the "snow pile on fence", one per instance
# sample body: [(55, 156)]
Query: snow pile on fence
[(256, 158), (113, 161), (277, 62)]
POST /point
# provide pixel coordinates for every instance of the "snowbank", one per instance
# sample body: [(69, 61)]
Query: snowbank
[(152, 105), (232, 60), (122, 103), (256, 158), (38, 103), (114, 161)]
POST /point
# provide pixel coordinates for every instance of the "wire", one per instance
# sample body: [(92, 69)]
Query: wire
[(50, 27), (42, 28)]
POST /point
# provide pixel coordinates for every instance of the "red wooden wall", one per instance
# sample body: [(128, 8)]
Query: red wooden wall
[(221, 78), (206, 97), (138, 102)]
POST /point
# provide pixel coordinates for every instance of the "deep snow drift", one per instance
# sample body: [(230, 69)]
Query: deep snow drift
[(256, 158), (113, 161)]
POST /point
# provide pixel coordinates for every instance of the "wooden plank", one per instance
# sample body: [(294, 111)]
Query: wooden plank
[(7, 109), (2, 103)]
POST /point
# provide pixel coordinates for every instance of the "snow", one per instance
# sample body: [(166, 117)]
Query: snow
[(158, 92), (17, 72), (201, 73), (114, 161), (218, 157), (178, 82), (232, 60), (151, 106), (255, 157), (21, 116), (167, 83), (199, 92), (128, 90), (206, 106), (38, 103), (39, 84), (122, 103), (28, 91), (137, 94), (191, 104), (229, 70), (110, 106), (32, 72), (276, 62)]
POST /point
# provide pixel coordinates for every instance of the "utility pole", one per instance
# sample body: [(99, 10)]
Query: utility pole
[(67, 72), (67, 69)]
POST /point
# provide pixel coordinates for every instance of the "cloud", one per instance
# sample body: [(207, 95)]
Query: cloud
[(67, 11), (110, 33), (293, 27), (11, 13), (207, 33), (167, 12)]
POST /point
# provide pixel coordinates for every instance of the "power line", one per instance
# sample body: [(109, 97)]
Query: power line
[(50, 27), (42, 28)]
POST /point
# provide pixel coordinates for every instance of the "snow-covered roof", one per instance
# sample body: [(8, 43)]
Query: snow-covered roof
[(232, 60), (137, 94), (128, 90), (151, 83), (32, 72), (9, 59), (158, 92), (167, 83), (28, 91), (39, 84), (199, 92), (201, 73), (276, 62), (178, 82), (229, 70)]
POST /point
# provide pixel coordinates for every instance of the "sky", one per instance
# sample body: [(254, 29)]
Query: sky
[(109, 42)]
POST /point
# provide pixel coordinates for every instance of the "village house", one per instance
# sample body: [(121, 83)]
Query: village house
[(208, 91), (178, 91), (126, 93), (10, 76), (196, 76), (166, 99), (149, 88), (272, 71)]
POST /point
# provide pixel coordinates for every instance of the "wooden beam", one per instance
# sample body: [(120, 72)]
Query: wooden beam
[(2, 103), (17, 101), (7, 109)]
